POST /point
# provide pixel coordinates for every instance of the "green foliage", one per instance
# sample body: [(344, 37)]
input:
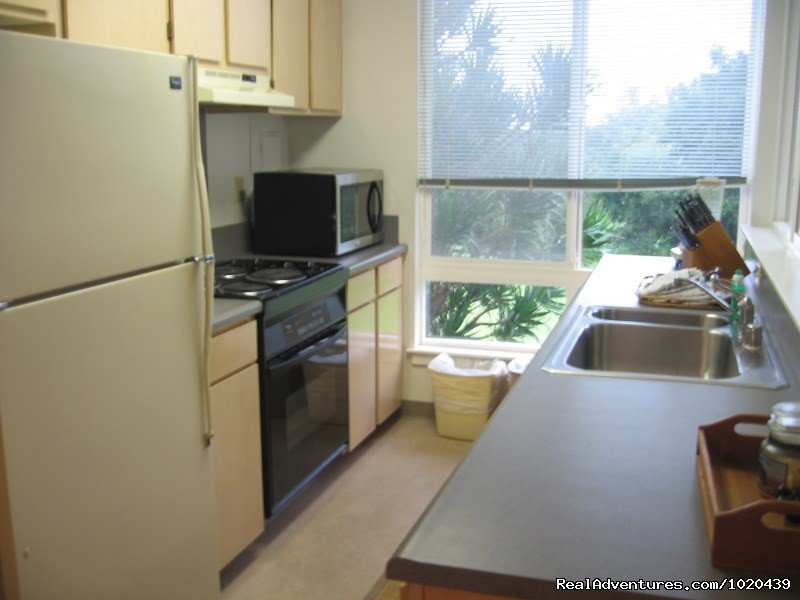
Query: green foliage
[(509, 313), (499, 223), (600, 232)]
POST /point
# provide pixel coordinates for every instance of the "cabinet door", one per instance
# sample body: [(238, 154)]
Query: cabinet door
[(290, 49), (361, 372), (249, 27), (42, 17), (390, 354), (34, 9), (325, 31), (198, 27), (140, 24), (237, 462)]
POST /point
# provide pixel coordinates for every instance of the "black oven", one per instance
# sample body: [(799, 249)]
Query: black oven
[(302, 358), (304, 408)]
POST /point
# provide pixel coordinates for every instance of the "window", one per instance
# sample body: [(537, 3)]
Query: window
[(787, 202), (553, 131), (793, 172)]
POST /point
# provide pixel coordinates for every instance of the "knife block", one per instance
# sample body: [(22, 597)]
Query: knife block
[(715, 250)]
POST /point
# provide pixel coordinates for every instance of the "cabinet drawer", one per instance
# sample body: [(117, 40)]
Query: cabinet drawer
[(360, 289), (232, 350), (390, 275)]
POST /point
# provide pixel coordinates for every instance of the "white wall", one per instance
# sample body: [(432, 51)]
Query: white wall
[(238, 145), (378, 129)]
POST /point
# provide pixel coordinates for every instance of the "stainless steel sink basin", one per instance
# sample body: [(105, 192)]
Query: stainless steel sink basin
[(683, 318), (662, 351), (666, 344)]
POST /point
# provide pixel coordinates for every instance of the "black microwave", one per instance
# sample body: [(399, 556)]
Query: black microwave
[(317, 212)]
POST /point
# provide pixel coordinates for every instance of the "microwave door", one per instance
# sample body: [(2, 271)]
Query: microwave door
[(354, 220)]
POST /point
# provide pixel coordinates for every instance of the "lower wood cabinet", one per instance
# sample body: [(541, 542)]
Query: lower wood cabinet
[(416, 591), (361, 345), (389, 354), (375, 347), (236, 447)]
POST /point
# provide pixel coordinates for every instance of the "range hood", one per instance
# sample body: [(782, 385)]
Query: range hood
[(237, 88)]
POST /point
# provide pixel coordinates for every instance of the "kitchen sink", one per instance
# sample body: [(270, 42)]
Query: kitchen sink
[(666, 344), (665, 351), (684, 318)]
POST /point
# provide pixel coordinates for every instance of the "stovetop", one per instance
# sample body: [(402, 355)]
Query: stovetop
[(265, 278)]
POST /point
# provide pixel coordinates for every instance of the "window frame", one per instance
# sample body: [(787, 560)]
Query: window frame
[(567, 274), (570, 273)]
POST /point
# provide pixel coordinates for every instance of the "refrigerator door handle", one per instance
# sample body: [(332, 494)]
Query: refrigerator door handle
[(205, 225)]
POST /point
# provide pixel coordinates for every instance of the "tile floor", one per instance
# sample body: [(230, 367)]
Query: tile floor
[(333, 541)]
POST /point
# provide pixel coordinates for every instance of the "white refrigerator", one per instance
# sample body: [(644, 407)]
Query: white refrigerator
[(106, 487)]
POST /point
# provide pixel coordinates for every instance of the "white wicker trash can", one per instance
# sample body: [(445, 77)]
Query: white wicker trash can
[(465, 393)]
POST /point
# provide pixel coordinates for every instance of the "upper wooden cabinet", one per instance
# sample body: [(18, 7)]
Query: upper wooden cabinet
[(140, 24), (31, 16), (325, 60), (232, 33), (249, 29), (307, 54), (290, 49), (198, 27), (29, 10)]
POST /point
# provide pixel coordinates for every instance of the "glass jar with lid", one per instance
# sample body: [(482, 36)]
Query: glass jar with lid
[(779, 458)]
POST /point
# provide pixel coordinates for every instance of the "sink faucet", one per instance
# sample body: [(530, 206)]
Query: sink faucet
[(748, 330)]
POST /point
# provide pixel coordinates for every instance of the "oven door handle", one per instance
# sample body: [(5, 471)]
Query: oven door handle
[(276, 366)]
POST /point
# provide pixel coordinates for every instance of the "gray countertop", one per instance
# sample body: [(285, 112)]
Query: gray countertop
[(230, 311), (589, 477)]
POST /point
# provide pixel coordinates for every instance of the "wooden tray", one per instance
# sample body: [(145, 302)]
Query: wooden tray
[(744, 529)]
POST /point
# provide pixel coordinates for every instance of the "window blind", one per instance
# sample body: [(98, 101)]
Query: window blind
[(586, 93)]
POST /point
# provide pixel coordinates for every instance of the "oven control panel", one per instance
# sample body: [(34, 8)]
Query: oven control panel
[(294, 328), (300, 325)]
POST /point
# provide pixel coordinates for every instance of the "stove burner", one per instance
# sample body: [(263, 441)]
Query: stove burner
[(230, 271), (263, 278), (276, 276), (245, 288)]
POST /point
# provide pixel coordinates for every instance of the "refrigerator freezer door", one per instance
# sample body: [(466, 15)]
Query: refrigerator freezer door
[(97, 167), (109, 482)]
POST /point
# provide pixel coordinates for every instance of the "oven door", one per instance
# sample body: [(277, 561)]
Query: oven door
[(305, 416)]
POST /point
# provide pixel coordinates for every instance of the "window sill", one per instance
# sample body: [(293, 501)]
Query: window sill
[(780, 258), (421, 355)]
